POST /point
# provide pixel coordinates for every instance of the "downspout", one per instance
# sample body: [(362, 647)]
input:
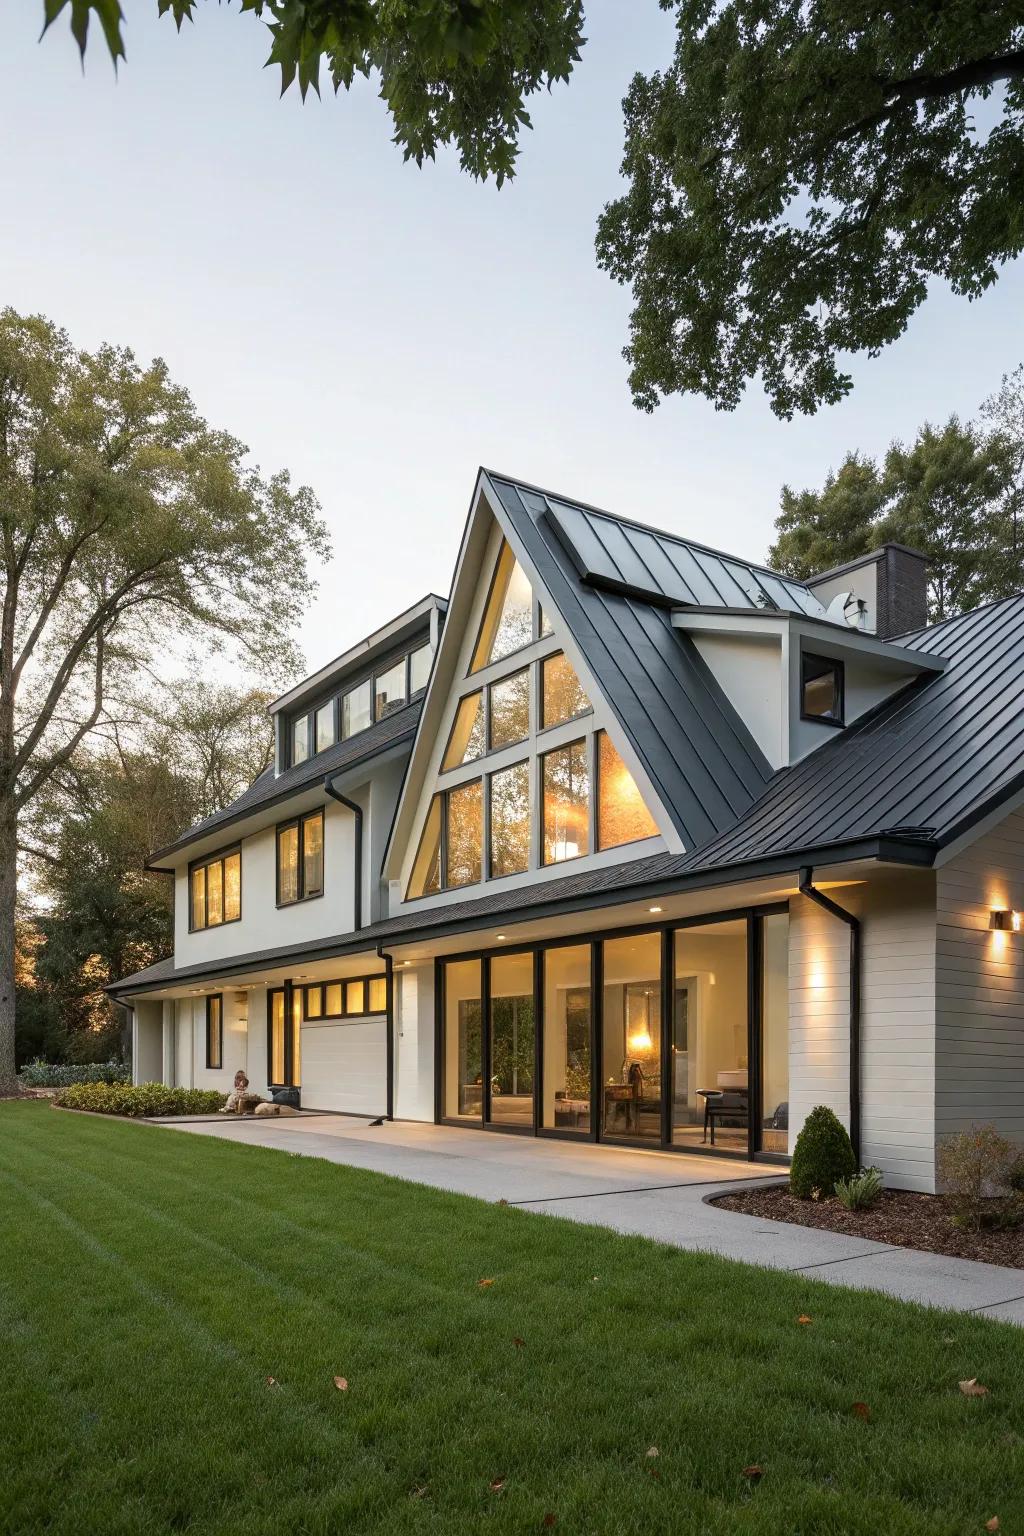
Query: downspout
[(389, 1019), (853, 923), (357, 812)]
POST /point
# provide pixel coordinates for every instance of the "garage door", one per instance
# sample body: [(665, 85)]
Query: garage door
[(344, 1067)]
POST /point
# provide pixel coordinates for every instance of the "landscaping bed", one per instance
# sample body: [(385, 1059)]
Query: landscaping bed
[(901, 1218), (139, 1101)]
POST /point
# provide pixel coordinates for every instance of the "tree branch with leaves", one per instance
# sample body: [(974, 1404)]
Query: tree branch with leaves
[(128, 526)]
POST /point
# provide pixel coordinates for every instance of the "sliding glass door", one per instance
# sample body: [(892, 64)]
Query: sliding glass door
[(511, 1040), (710, 1078), (566, 1059)]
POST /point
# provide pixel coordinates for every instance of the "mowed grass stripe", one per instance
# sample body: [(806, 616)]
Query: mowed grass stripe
[(300, 1269)]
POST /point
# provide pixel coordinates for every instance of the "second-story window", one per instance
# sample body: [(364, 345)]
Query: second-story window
[(389, 690), (300, 740), (215, 890), (300, 859), (821, 689), (325, 728)]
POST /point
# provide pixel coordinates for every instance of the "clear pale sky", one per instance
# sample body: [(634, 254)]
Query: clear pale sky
[(382, 330)]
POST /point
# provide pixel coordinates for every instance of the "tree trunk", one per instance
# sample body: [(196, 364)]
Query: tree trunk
[(8, 888)]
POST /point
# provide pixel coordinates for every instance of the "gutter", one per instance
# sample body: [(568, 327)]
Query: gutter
[(389, 1015), (357, 811), (853, 923)]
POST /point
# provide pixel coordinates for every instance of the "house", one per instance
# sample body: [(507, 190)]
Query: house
[(627, 841)]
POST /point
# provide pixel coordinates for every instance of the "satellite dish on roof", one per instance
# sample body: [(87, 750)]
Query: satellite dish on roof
[(846, 608)]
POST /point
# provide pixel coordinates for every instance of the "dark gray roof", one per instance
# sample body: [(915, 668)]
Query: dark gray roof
[(270, 787), (702, 760), (926, 764)]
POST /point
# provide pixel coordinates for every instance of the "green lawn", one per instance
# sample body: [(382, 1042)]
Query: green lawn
[(152, 1282)]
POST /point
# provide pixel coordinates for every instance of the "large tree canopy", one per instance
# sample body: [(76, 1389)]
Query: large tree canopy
[(129, 529), (797, 176), (451, 71), (953, 493)]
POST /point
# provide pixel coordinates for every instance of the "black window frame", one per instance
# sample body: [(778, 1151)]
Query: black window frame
[(310, 713), (218, 998), (826, 664), (552, 725), (204, 863), (344, 982), (298, 822)]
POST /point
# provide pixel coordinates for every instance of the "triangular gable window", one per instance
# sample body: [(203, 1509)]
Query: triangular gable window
[(508, 618), (622, 816)]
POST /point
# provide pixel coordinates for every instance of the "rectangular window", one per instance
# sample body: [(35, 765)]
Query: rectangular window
[(377, 994), (300, 740), (511, 1020), (325, 726), (419, 669), (355, 997), (356, 709), (389, 690), (622, 816), (275, 1038), (510, 710), (215, 891), (566, 1074), (464, 834), (215, 1032), (314, 1002), (510, 820), (821, 689), (462, 1064), (466, 742), (300, 859), (562, 694), (631, 1037), (332, 1000), (566, 787)]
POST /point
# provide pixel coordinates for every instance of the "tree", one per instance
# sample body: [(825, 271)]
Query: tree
[(126, 521), (798, 175), (946, 494), (451, 71), (100, 914)]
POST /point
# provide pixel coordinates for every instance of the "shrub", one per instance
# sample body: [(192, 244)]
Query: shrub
[(62, 1074), (823, 1154), (145, 1099), (975, 1166), (1015, 1178), (861, 1190)]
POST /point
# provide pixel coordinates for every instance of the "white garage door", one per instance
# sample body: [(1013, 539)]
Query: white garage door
[(344, 1067)]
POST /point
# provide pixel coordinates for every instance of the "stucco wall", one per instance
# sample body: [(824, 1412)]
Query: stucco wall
[(147, 1042), (980, 986), (414, 1042)]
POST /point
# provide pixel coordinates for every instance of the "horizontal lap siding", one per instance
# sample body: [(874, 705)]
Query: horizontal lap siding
[(897, 1019), (980, 986)]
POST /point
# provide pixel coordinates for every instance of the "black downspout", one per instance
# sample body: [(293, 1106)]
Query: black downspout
[(357, 812), (853, 923), (389, 1019)]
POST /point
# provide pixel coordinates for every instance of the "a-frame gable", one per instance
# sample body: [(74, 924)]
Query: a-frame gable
[(512, 706)]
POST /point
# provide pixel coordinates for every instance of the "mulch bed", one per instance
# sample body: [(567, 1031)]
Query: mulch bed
[(901, 1219)]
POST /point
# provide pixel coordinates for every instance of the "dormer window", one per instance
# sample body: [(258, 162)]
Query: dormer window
[(821, 689), (356, 709), (300, 740), (389, 690)]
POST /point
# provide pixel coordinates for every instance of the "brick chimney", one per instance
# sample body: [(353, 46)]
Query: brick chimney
[(891, 581)]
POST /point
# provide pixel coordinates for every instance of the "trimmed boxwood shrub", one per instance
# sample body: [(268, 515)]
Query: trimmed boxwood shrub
[(823, 1154), (139, 1101), (61, 1074)]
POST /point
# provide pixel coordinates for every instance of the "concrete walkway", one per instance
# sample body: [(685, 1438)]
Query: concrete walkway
[(655, 1194)]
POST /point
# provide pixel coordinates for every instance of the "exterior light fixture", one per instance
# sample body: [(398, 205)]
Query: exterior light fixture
[(1002, 920), (500, 937), (654, 909)]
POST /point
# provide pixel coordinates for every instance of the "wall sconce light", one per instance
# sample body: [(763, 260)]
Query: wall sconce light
[(1002, 920)]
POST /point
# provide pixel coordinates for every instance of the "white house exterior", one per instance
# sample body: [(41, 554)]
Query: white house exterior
[(627, 841)]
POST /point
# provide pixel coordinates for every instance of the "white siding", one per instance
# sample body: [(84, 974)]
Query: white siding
[(344, 1066), (414, 1042), (897, 1019), (980, 986)]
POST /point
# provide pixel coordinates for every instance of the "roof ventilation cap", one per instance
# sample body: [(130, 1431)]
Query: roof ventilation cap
[(846, 608)]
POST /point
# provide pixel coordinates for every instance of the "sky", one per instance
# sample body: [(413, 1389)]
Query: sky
[(382, 330)]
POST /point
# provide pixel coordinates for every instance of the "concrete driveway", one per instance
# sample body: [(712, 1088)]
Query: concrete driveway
[(654, 1194)]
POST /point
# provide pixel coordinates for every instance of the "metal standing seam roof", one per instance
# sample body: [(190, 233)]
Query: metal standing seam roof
[(927, 762), (269, 786), (703, 762)]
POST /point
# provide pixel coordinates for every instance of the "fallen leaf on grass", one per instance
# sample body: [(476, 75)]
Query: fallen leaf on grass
[(272, 1381), (496, 1484), (549, 1519), (753, 1474), (803, 1319), (973, 1388), (861, 1411), (341, 1383), (518, 1342), (483, 1284), (652, 1450), (993, 1524), (419, 1492), (655, 1474)]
